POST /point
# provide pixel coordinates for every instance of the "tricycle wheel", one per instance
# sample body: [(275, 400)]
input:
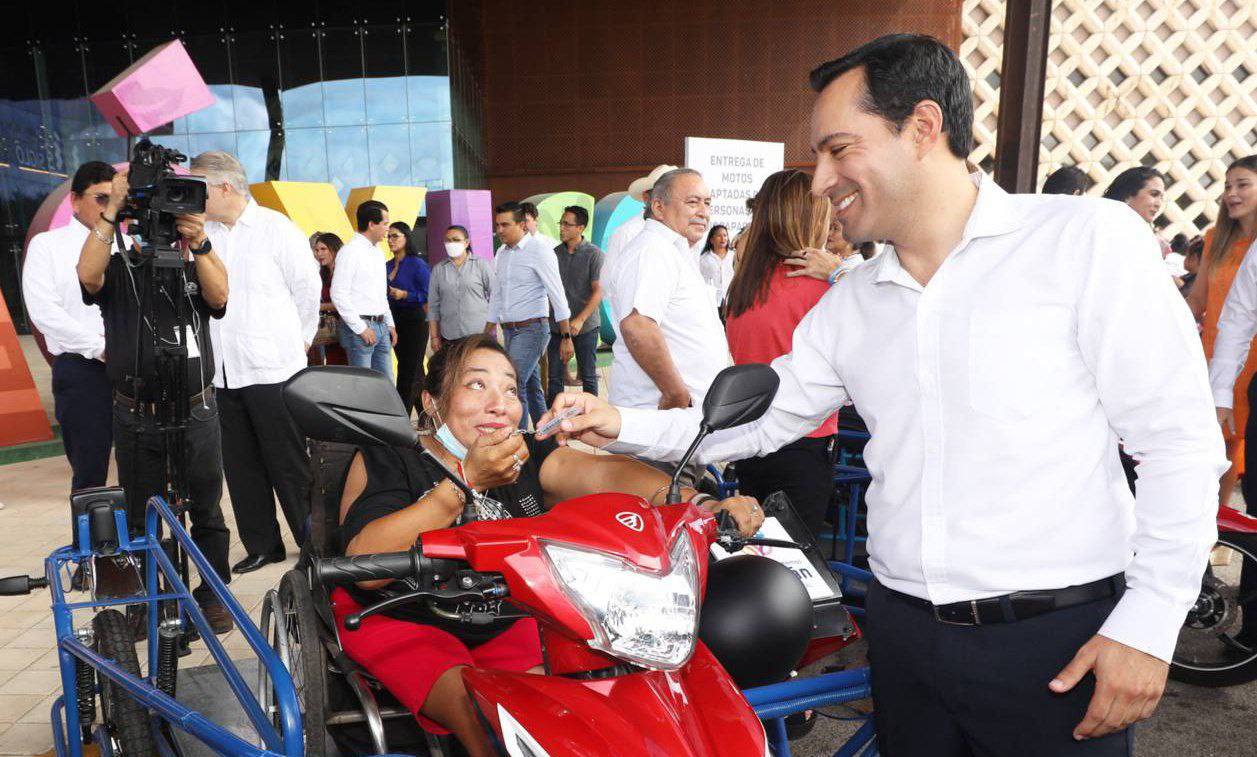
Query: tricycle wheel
[(294, 635), (126, 721)]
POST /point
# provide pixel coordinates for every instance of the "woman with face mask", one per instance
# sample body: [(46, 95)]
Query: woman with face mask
[(458, 291), (393, 495)]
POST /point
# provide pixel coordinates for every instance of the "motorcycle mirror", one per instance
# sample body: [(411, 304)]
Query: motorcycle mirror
[(740, 394), (348, 405)]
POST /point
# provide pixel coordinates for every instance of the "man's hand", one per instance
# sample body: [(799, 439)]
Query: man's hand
[(680, 399), (575, 324), (435, 340), (392, 335), (367, 336), (818, 264), (1129, 684), (746, 513), (566, 350), (118, 190), (598, 424), (1226, 419), (495, 459), (397, 294), (192, 228)]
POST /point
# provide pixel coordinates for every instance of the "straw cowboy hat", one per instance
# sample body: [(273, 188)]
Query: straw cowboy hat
[(638, 189)]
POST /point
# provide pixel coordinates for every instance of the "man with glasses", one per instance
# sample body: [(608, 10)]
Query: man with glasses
[(580, 267), (74, 334)]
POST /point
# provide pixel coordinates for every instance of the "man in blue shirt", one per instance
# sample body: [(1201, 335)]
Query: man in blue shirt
[(528, 275)]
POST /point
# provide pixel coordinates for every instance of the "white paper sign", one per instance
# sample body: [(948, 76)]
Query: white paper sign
[(734, 170), (793, 559)]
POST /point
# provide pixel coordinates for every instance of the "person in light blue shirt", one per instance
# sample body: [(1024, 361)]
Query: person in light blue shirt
[(527, 276)]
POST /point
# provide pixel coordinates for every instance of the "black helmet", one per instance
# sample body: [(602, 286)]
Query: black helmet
[(756, 619)]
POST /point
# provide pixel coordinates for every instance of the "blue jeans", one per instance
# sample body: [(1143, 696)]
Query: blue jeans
[(586, 348), (377, 356), (526, 345)]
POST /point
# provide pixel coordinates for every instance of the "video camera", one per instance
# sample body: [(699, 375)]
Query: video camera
[(157, 196)]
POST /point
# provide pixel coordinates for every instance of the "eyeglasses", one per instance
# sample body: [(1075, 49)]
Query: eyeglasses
[(102, 199)]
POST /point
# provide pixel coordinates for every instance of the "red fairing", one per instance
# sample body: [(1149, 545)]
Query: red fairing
[(693, 712), (1235, 521), (618, 524)]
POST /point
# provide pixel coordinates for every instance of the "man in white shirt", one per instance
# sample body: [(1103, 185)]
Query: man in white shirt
[(529, 287), (261, 342), (1024, 602), (360, 293), (531, 216), (639, 190), (74, 333)]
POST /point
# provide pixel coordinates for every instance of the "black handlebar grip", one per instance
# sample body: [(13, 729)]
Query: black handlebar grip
[(348, 570), (18, 585)]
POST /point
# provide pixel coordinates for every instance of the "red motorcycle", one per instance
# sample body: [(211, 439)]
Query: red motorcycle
[(1218, 643), (615, 585)]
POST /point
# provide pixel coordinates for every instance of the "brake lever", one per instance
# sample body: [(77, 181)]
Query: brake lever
[(354, 621)]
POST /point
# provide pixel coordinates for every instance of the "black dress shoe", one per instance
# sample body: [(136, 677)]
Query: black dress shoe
[(217, 616), (253, 562)]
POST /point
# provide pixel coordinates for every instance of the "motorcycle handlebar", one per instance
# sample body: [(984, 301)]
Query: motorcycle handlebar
[(356, 568)]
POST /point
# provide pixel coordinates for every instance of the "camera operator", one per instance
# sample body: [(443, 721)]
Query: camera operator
[(122, 285)]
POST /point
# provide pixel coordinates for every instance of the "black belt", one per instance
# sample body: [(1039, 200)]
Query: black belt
[(150, 408), (523, 323), (375, 318), (1020, 605)]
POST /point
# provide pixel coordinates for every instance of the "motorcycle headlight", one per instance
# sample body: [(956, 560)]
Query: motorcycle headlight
[(649, 619)]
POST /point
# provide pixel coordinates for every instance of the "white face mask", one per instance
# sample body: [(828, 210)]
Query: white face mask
[(455, 249)]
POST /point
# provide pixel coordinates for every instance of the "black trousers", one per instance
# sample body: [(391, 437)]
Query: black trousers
[(264, 456), (83, 398), (586, 348), (412, 342), (1248, 486), (140, 449), (944, 690), (802, 469)]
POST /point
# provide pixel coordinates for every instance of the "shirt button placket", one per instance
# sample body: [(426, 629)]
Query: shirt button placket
[(933, 517)]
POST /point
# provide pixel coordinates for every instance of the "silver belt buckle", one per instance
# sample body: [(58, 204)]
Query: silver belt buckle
[(973, 614)]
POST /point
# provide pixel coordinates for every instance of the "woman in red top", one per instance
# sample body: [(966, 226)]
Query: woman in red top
[(764, 305)]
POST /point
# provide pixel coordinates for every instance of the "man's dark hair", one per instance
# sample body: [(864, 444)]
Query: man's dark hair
[(369, 212), (514, 208), (1129, 182), (91, 172), (1067, 180), (580, 214), (1178, 243), (529, 209), (901, 70)]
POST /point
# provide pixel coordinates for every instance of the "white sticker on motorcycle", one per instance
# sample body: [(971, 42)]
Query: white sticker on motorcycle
[(630, 520), (518, 741)]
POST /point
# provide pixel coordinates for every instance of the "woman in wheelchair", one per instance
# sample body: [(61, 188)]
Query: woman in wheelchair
[(394, 495)]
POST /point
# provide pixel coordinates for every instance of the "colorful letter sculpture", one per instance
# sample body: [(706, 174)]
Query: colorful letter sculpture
[(313, 206), (22, 417), (470, 208), (609, 213), (153, 91), (550, 210), (403, 203)]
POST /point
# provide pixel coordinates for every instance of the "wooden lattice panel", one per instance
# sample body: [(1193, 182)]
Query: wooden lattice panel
[(1166, 83)]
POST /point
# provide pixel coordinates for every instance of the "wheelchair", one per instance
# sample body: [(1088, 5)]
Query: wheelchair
[(345, 709)]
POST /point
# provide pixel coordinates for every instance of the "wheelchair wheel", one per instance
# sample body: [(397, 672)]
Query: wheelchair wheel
[(126, 721), (291, 626)]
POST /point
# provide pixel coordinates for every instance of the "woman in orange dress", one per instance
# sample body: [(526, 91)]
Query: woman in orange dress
[(1225, 245)]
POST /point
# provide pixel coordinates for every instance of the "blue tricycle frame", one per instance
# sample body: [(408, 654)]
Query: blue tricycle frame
[(287, 741)]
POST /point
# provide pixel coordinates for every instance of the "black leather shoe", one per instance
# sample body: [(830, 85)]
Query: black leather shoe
[(253, 562), (217, 616)]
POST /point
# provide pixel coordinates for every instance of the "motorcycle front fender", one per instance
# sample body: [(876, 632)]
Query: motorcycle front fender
[(696, 711)]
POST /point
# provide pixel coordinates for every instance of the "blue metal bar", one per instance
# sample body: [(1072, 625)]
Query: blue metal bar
[(213, 735), (799, 704), (63, 622), (122, 602), (58, 726), (284, 690), (778, 739), (862, 743), (801, 687)]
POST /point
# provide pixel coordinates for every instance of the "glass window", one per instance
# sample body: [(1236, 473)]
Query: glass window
[(432, 155), (348, 162), (305, 155), (344, 96), (385, 59), (199, 143), (219, 117), (428, 98), (344, 102), (300, 75), (251, 147), (390, 154)]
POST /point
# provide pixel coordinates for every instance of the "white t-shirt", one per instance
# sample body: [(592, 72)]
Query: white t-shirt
[(717, 272), (654, 275), (623, 234)]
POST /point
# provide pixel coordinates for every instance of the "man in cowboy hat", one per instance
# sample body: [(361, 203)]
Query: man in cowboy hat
[(639, 190)]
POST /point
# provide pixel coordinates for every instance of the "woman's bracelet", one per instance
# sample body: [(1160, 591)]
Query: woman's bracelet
[(462, 498)]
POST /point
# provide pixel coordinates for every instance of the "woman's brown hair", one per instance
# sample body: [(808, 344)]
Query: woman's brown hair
[(787, 218), (1227, 229), (446, 365)]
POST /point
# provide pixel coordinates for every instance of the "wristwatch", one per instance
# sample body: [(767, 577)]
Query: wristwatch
[(203, 249), (566, 336)]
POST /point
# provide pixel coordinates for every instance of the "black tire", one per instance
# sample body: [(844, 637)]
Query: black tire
[(126, 721), (1207, 653), (304, 656)]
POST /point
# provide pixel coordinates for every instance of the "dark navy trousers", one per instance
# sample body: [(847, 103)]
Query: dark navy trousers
[(83, 398)]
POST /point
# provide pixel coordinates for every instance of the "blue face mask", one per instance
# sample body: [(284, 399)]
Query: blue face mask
[(450, 442)]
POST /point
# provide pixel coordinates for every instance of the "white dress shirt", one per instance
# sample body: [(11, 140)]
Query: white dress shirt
[(655, 275), (528, 284), (623, 234), (360, 284), (1236, 327), (995, 397), (274, 286), (717, 272), (50, 287)]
